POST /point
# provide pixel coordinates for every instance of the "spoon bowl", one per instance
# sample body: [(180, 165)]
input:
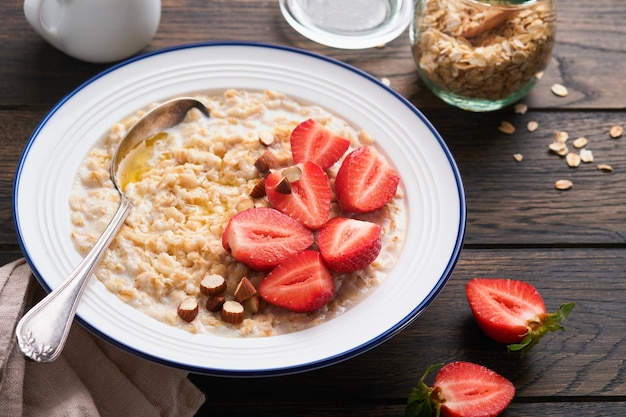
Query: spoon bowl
[(42, 332)]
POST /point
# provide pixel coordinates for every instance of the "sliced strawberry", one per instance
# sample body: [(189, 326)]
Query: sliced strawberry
[(461, 389), (312, 141), (365, 181), (512, 312), (308, 200), (302, 283), (264, 237), (348, 245)]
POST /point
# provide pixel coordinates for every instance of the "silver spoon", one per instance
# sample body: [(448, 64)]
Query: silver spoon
[(42, 332)]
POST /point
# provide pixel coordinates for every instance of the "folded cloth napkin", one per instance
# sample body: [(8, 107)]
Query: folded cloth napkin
[(90, 378)]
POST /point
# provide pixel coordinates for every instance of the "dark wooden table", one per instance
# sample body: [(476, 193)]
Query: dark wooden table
[(570, 244)]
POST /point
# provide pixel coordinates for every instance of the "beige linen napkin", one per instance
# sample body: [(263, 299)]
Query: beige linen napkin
[(90, 378)]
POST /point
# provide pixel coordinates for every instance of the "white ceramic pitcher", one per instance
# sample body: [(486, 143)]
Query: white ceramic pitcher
[(95, 30)]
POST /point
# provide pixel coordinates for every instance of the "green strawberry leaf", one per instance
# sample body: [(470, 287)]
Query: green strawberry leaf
[(419, 403), (550, 323)]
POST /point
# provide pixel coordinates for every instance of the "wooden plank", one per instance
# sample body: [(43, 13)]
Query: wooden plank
[(508, 202), (244, 20), (513, 202), (585, 360), (366, 407)]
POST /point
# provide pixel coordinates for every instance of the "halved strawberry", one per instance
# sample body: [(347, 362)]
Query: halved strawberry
[(365, 181), (461, 389), (348, 245), (307, 200), (312, 141), (512, 312), (264, 237), (302, 283)]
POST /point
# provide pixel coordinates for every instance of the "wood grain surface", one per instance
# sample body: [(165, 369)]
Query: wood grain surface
[(570, 244)]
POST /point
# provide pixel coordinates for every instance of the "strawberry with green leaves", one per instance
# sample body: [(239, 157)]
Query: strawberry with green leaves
[(512, 312), (460, 389)]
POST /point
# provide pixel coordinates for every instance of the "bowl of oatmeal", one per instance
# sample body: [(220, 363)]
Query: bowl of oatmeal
[(197, 176)]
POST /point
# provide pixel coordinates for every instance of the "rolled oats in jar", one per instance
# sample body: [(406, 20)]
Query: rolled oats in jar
[(482, 55)]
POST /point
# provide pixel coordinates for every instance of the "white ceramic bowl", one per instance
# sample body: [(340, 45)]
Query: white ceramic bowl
[(434, 196)]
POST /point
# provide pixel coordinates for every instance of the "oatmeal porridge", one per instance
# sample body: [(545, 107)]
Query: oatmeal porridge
[(185, 185)]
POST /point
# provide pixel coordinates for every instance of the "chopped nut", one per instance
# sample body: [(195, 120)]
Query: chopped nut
[(580, 143), (616, 131), (265, 162), (605, 167), (563, 184), (212, 284), (188, 309), (386, 81), (521, 108), (258, 190), (266, 138), (252, 304), (518, 157), (586, 155), (283, 186), (559, 90), (289, 176), (214, 304), (532, 126), (232, 312), (507, 128), (292, 174), (572, 159), (245, 289)]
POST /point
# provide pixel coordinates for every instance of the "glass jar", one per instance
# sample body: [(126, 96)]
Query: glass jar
[(482, 55)]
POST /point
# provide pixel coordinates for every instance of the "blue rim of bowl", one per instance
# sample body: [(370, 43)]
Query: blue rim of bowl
[(304, 367)]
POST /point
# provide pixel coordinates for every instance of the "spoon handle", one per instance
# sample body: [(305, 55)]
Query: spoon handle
[(42, 332)]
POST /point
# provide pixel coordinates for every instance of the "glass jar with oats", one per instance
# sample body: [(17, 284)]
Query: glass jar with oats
[(482, 55)]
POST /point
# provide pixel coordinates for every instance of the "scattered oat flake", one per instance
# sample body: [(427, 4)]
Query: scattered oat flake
[(532, 126), (559, 90), (616, 131), (386, 81), (561, 136), (558, 148), (506, 127), (572, 159), (605, 167), (518, 157), (580, 143), (521, 108), (563, 184), (586, 155)]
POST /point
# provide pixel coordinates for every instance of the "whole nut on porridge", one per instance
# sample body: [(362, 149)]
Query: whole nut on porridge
[(198, 176), (472, 50)]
